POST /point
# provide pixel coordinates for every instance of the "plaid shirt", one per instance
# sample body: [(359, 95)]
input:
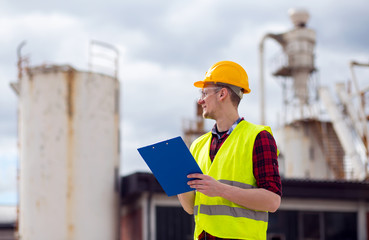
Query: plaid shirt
[(265, 163)]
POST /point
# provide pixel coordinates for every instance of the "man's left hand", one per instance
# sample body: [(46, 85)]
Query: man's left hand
[(205, 184)]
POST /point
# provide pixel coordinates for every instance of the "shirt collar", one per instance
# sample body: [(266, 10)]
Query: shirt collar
[(214, 130)]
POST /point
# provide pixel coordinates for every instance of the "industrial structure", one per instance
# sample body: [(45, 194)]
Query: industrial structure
[(305, 133), (69, 141), (68, 127)]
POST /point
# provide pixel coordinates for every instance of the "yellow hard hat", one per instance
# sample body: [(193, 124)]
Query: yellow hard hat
[(227, 72)]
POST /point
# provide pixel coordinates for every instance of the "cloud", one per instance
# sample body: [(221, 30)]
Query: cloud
[(155, 99), (340, 26), (50, 37)]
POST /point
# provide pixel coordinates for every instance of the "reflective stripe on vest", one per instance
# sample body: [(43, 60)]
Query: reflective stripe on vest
[(237, 184), (232, 211)]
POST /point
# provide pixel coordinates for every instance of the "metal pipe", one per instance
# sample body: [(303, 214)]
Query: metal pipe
[(278, 38), (362, 221), (261, 62), (361, 110), (351, 110), (356, 85)]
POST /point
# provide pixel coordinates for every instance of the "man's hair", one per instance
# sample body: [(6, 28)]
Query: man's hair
[(235, 99)]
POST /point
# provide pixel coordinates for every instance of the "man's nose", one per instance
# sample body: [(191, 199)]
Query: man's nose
[(200, 101)]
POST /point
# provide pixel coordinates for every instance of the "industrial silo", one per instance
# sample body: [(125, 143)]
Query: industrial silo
[(69, 154)]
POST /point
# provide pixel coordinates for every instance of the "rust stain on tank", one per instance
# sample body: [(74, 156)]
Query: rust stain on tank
[(30, 78), (70, 92), (38, 204), (70, 231), (70, 195)]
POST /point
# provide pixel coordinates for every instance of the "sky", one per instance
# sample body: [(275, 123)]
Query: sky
[(165, 46)]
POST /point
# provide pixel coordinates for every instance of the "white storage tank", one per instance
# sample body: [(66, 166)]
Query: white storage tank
[(69, 154)]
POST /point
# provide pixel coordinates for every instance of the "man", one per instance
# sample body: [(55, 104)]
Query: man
[(241, 182)]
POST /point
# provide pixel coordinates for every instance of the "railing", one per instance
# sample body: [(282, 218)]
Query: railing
[(103, 58)]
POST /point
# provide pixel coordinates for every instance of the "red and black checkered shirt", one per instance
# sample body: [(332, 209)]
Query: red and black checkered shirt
[(265, 163)]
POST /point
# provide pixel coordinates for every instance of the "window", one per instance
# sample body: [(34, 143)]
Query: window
[(307, 225), (340, 226), (283, 224), (310, 226), (173, 223)]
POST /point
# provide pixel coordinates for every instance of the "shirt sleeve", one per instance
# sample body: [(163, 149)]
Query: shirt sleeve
[(265, 163)]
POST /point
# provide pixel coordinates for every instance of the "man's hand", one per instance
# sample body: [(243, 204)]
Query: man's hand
[(206, 184), (256, 198)]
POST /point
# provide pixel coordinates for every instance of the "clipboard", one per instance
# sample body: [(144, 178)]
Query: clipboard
[(170, 161)]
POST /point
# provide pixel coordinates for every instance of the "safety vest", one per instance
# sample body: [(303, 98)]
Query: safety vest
[(232, 165)]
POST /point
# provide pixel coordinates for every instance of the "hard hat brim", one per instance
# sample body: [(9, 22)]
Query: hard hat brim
[(199, 84)]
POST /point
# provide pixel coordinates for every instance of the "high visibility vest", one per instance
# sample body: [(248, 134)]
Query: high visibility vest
[(232, 165)]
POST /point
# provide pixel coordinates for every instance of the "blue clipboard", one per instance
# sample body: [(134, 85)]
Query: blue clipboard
[(170, 161)]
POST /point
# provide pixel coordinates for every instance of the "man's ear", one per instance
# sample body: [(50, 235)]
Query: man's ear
[(223, 93)]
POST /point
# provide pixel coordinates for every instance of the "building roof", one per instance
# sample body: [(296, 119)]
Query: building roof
[(326, 189), (137, 183)]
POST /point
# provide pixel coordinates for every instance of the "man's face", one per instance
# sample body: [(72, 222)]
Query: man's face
[(208, 101)]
